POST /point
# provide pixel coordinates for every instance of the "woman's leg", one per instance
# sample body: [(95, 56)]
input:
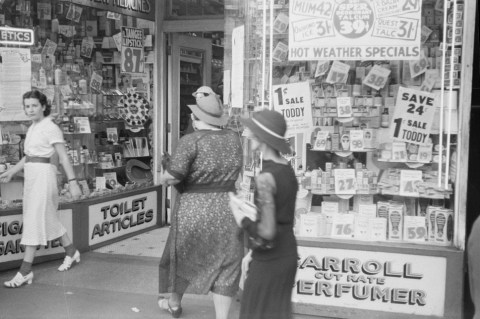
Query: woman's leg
[(68, 245), (222, 305), (71, 253), (26, 266)]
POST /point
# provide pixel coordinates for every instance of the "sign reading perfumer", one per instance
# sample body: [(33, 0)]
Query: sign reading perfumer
[(112, 219), (375, 281)]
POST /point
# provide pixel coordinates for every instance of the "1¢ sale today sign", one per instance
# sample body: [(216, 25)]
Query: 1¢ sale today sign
[(294, 102), (413, 116)]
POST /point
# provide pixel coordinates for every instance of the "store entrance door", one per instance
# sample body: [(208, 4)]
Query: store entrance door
[(189, 67)]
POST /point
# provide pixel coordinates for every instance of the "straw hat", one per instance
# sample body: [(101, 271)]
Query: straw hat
[(209, 107), (269, 127)]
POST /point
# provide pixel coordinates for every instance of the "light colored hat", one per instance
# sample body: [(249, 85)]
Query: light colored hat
[(269, 127), (209, 107)]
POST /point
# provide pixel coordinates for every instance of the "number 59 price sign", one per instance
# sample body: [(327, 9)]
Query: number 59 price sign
[(133, 58), (413, 116)]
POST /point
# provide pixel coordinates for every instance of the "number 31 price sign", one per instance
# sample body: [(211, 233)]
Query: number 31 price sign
[(413, 116), (132, 50)]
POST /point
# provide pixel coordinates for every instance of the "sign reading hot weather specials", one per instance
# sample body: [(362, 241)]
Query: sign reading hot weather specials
[(109, 220), (413, 116), (354, 29), (396, 283), (133, 59), (294, 102)]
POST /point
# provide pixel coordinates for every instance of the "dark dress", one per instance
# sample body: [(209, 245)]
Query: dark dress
[(268, 288), (203, 251)]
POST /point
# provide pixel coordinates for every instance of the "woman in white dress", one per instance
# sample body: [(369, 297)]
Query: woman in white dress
[(44, 140)]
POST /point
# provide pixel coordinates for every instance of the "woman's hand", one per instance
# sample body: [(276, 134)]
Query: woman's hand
[(74, 189), (6, 176)]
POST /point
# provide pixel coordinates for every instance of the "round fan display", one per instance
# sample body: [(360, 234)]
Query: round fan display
[(134, 109)]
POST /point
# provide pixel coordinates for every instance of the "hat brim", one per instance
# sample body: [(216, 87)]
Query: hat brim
[(207, 118), (279, 144)]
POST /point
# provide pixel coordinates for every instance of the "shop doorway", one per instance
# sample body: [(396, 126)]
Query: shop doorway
[(189, 65)]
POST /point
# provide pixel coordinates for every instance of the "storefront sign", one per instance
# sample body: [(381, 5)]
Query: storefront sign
[(144, 9), (413, 116), (115, 218), (354, 30), (11, 229), (133, 55), (397, 283), (294, 102), (16, 36)]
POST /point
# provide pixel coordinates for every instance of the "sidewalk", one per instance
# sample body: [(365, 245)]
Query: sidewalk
[(116, 281)]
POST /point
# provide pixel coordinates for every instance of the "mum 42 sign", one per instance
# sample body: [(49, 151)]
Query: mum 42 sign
[(413, 116)]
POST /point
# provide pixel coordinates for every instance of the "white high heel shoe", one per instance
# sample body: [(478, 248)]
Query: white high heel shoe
[(68, 261), (19, 280)]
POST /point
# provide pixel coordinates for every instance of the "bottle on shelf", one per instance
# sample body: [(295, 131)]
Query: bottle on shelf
[(82, 84), (385, 119), (58, 75)]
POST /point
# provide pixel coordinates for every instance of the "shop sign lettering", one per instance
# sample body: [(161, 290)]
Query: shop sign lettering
[(354, 29), (116, 218), (16, 36), (294, 102), (382, 281), (413, 116), (11, 230), (144, 9)]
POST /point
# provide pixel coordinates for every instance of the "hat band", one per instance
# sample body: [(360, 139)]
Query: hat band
[(210, 113), (266, 129)]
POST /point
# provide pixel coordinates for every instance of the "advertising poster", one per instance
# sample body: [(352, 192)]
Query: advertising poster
[(294, 102), (354, 30), (413, 116), (397, 283), (133, 55), (115, 218)]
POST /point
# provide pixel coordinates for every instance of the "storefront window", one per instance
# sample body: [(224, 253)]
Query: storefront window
[(95, 65), (195, 8)]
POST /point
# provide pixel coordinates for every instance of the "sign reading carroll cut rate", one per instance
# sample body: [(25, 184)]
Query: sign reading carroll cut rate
[(389, 282), (354, 30), (413, 116), (294, 102), (133, 56)]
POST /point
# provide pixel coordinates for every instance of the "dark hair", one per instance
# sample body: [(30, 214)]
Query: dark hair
[(42, 98)]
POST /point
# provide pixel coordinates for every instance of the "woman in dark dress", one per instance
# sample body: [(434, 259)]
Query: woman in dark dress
[(271, 274), (203, 252)]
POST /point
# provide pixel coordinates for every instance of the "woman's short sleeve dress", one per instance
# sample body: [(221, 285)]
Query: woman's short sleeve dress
[(41, 221)]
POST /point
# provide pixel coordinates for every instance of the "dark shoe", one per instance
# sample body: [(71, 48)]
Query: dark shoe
[(176, 312)]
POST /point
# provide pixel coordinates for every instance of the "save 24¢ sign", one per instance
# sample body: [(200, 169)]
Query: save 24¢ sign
[(294, 102), (413, 116)]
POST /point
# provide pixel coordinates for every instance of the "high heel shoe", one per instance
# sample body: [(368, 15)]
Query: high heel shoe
[(19, 280), (68, 261), (176, 312)]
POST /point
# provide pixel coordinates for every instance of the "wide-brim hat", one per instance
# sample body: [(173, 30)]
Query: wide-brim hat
[(209, 107), (269, 127)]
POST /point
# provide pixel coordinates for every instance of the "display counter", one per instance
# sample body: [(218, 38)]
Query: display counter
[(91, 223)]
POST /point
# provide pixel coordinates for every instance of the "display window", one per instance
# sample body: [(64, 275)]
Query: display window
[(94, 62), (376, 96)]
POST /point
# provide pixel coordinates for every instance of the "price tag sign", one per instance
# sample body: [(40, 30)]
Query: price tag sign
[(361, 227), (399, 152), (338, 73), (426, 31), (345, 181), (86, 48), (321, 141), (356, 140), (66, 30), (425, 153), (409, 180), (96, 81), (344, 106), (413, 116), (343, 225), (430, 79), (414, 229), (280, 24), (377, 229), (377, 77), (132, 58), (322, 68), (419, 66), (293, 100)]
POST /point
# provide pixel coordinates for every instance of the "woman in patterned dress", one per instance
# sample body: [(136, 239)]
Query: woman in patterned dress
[(203, 251), (41, 222), (270, 278)]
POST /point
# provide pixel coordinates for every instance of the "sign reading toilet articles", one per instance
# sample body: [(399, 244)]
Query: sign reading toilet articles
[(377, 281), (112, 219), (11, 230), (294, 102), (413, 116)]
